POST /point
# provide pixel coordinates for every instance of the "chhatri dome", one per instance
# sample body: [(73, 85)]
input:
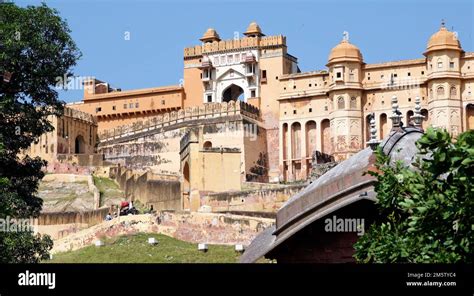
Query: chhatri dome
[(210, 36), (345, 51), (443, 39), (254, 30)]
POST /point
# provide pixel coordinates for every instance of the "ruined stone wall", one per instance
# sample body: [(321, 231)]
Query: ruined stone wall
[(153, 150), (261, 200), (222, 229), (319, 169), (80, 164), (90, 218), (68, 168), (164, 194), (255, 154), (81, 159)]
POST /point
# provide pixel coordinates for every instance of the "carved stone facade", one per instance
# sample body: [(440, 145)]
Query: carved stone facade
[(73, 141), (297, 113), (349, 91)]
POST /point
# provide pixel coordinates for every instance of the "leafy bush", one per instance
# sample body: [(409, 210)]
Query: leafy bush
[(426, 214)]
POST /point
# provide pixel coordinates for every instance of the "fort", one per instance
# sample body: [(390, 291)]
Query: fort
[(297, 113), (244, 114)]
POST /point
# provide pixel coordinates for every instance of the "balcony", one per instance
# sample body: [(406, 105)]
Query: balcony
[(249, 74), (206, 75), (250, 59), (206, 64)]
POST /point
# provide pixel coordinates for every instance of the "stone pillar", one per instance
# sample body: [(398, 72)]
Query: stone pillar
[(289, 153), (281, 155), (319, 136), (303, 150)]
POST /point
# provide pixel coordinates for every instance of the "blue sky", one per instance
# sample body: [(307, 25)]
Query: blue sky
[(159, 31)]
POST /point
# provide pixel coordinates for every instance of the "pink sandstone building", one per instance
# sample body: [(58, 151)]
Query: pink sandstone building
[(302, 117)]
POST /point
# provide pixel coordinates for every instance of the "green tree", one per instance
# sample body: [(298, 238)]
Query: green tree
[(425, 213), (35, 49)]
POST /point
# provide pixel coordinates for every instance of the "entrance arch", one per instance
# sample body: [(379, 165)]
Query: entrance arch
[(326, 146), (79, 145), (233, 93)]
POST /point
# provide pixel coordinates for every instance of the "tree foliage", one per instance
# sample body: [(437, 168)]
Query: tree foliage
[(35, 49), (426, 212)]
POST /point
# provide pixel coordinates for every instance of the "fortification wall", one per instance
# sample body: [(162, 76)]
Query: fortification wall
[(161, 191), (90, 218), (159, 149), (76, 114), (61, 224), (258, 200), (155, 143), (235, 44), (81, 164), (223, 229), (160, 122)]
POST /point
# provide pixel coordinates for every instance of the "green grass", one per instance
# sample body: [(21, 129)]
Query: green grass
[(104, 184), (135, 249)]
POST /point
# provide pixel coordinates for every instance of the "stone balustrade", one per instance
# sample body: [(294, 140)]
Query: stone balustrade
[(210, 110)]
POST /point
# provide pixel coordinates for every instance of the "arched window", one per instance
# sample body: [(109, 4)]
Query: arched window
[(452, 92), (207, 145), (440, 92), (353, 103), (340, 103), (440, 64), (296, 140), (285, 140)]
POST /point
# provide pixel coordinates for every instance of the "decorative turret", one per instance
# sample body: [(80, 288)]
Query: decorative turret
[(442, 40), (345, 52), (444, 79), (344, 63), (210, 36), (443, 53), (254, 30), (345, 95)]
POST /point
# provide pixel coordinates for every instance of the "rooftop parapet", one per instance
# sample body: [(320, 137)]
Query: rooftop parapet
[(237, 44), (68, 112)]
